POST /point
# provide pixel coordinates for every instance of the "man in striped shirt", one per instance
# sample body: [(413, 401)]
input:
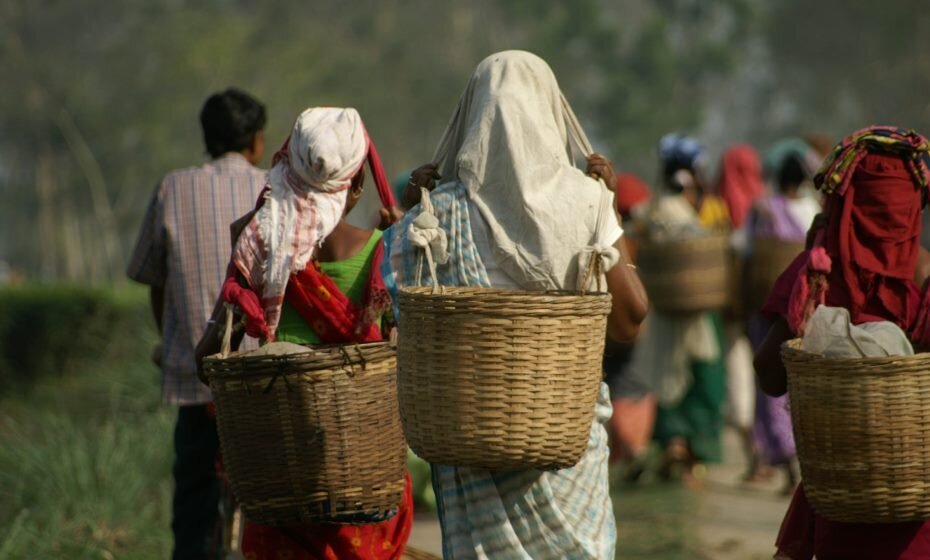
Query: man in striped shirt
[(182, 253)]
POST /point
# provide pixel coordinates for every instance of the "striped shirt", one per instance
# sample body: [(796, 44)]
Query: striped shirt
[(184, 247)]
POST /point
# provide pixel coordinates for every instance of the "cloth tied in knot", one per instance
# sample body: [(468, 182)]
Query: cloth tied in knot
[(593, 263)]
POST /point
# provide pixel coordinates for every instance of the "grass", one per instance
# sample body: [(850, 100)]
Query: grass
[(85, 461)]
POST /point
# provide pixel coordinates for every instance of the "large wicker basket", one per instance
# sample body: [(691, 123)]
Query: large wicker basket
[(770, 257), (862, 428), (311, 438), (499, 379), (686, 275)]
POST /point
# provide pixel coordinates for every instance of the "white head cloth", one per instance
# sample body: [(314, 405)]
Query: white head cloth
[(512, 142), (306, 199)]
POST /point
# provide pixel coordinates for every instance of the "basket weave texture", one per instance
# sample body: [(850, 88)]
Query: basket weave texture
[(686, 275), (311, 438), (862, 429), (770, 257), (499, 379)]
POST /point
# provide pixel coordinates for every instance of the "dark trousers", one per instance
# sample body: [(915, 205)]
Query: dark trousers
[(195, 508)]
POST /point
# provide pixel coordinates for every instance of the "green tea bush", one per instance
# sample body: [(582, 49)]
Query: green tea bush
[(48, 329)]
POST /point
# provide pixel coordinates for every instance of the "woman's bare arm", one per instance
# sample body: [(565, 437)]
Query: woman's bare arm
[(630, 303), (770, 370)]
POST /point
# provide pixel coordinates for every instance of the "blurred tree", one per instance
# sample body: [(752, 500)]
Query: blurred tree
[(100, 99)]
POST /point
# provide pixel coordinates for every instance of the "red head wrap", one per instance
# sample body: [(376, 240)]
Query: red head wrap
[(740, 182)]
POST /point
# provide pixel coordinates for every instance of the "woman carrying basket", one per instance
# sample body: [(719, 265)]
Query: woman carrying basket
[(515, 213), (863, 255), (783, 217), (682, 353), (301, 273)]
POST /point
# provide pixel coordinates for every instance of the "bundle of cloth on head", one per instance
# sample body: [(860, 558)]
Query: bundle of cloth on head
[(740, 181), (304, 200), (512, 145), (864, 258)]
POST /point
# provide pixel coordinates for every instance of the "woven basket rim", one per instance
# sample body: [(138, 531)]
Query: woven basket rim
[(316, 359), (792, 349), (462, 292)]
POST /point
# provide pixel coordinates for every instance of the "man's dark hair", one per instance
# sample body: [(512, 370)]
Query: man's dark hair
[(230, 119)]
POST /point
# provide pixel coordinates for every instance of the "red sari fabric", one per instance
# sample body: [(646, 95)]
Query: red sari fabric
[(871, 242), (378, 541), (330, 313), (335, 319)]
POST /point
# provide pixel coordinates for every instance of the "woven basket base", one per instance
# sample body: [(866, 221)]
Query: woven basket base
[(499, 379), (862, 429), (311, 438), (686, 275)]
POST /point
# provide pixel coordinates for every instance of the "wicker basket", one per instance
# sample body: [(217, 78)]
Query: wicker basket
[(499, 379), (770, 257), (862, 428), (311, 438), (686, 275)]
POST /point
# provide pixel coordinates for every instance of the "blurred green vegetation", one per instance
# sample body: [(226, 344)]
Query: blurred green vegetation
[(46, 330), (85, 446), (101, 99)]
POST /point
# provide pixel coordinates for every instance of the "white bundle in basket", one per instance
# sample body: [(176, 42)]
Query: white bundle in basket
[(831, 334)]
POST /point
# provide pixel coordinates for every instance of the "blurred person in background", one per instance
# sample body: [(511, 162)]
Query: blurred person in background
[(785, 215), (181, 253), (630, 427), (682, 354), (739, 184)]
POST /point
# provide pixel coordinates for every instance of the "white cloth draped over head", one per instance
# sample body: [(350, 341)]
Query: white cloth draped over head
[(306, 198), (512, 143)]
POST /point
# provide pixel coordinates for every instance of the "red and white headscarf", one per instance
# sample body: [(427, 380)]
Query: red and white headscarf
[(306, 198)]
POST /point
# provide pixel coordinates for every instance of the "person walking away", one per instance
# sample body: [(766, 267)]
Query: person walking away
[(181, 253), (682, 354), (314, 280), (863, 255), (518, 213), (739, 184), (785, 215), (634, 405)]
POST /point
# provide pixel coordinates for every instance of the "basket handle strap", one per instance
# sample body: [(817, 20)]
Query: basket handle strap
[(227, 331), (432, 268), (594, 270), (594, 260)]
